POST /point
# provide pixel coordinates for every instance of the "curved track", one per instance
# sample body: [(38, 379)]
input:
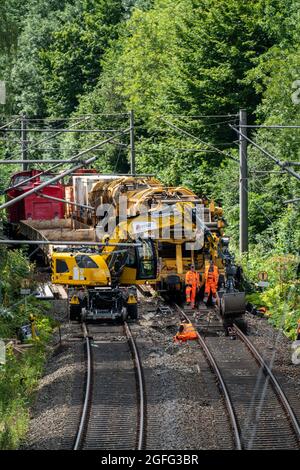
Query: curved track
[(259, 412), (113, 413)]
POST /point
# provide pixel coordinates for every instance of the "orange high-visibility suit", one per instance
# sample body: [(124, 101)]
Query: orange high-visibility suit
[(211, 282), (192, 282), (186, 332)]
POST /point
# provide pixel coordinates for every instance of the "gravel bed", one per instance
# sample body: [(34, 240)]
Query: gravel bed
[(184, 407), (275, 348), (55, 413)]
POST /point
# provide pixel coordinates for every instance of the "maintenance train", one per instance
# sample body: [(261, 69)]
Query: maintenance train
[(162, 228)]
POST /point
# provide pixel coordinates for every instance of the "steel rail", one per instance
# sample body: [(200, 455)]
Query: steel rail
[(87, 397), (213, 364), (84, 413), (142, 421), (274, 381)]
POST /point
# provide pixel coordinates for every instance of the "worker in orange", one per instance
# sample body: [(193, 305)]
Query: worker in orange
[(186, 332), (211, 282), (192, 282)]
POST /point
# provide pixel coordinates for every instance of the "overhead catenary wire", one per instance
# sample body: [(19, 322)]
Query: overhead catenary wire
[(268, 172), (292, 201), (291, 163), (65, 130), (203, 116), (118, 157), (265, 215), (275, 126), (41, 162), (57, 133), (178, 129), (56, 149), (57, 165), (9, 140), (71, 118), (261, 188), (61, 149), (268, 154), (81, 121), (194, 150), (259, 207), (158, 130), (63, 174), (219, 123), (278, 162), (8, 124)]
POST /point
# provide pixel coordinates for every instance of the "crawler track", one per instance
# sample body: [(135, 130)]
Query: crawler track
[(113, 413), (259, 412)]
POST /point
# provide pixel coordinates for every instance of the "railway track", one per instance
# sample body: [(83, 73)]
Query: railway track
[(114, 410), (113, 414), (260, 414)]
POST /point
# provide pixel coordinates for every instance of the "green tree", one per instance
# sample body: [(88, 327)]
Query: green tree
[(72, 63), (26, 76), (187, 57)]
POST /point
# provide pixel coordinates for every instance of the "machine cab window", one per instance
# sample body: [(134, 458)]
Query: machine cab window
[(146, 260), (85, 261), (44, 178), (19, 179), (61, 266)]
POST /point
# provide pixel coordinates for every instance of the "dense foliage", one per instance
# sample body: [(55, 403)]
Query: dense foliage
[(19, 375), (170, 61), (18, 381)]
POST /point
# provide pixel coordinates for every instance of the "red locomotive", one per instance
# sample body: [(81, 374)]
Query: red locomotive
[(34, 207)]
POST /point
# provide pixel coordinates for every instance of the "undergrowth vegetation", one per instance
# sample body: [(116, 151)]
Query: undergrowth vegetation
[(20, 374)]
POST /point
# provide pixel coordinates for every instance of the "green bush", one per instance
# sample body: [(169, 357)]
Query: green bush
[(19, 376), (282, 297), (18, 381)]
